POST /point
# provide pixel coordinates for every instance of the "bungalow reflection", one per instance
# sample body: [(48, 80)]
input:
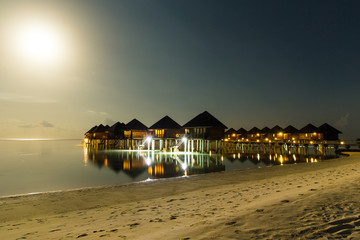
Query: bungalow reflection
[(140, 165), (278, 159), (155, 164)]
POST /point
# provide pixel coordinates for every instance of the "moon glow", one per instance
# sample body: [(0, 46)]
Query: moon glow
[(39, 43)]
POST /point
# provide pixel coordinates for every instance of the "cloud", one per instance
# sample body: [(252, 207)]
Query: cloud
[(46, 124), (27, 126), (13, 97), (343, 121), (109, 121), (42, 124), (97, 113)]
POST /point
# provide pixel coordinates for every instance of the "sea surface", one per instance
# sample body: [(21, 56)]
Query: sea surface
[(33, 166)]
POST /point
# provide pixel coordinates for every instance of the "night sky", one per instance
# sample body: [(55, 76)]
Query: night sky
[(249, 63)]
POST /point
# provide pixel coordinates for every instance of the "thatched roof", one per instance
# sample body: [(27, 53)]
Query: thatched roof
[(204, 119), (165, 123), (117, 127), (135, 125), (290, 129), (276, 129), (265, 130), (309, 129), (100, 128), (92, 129), (242, 131), (230, 131), (326, 128), (254, 130)]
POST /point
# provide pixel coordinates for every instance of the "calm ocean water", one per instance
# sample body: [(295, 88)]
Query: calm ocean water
[(41, 166)]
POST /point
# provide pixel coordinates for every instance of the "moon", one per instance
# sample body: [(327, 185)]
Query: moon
[(38, 42)]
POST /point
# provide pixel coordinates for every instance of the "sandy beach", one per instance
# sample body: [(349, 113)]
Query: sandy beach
[(300, 201)]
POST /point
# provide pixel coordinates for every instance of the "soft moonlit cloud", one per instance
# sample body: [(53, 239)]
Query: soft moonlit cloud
[(14, 97), (46, 124), (343, 121)]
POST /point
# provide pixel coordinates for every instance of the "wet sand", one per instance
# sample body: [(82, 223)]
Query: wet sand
[(301, 201)]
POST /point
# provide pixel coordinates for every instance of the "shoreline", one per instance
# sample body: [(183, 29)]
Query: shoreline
[(338, 155), (215, 205)]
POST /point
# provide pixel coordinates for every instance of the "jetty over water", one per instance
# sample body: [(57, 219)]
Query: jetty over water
[(206, 134)]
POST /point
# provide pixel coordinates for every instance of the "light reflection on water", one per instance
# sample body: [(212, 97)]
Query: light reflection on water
[(164, 165), (39, 166)]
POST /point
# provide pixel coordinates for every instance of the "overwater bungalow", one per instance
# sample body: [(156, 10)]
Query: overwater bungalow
[(253, 134), (166, 128), (101, 132), (291, 133), (164, 132), (135, 133), (135, 130), (231, 134), (310, 132), (89, 134), (329, 133), (242, 133), (205, 133), (116, 131), (277, 133), (265, 133), (205, 126)]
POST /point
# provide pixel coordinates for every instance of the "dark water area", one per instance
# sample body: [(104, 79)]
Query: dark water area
[(41, 166)]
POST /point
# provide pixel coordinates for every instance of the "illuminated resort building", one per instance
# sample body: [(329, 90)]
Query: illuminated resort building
[(203, 133), (165, 133)]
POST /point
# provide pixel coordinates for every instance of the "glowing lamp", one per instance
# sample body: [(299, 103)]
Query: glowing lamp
[(184, 166)]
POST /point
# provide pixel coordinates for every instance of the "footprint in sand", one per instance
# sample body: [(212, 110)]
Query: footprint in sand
[(82, 235), (230, 223)]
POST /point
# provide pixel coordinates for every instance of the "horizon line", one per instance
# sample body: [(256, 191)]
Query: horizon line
[(38, 139)]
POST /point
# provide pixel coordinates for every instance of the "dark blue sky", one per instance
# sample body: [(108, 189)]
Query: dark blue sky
[(249, 63)]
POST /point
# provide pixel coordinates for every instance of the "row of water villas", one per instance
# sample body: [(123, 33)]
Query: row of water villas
[(205, 134)]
